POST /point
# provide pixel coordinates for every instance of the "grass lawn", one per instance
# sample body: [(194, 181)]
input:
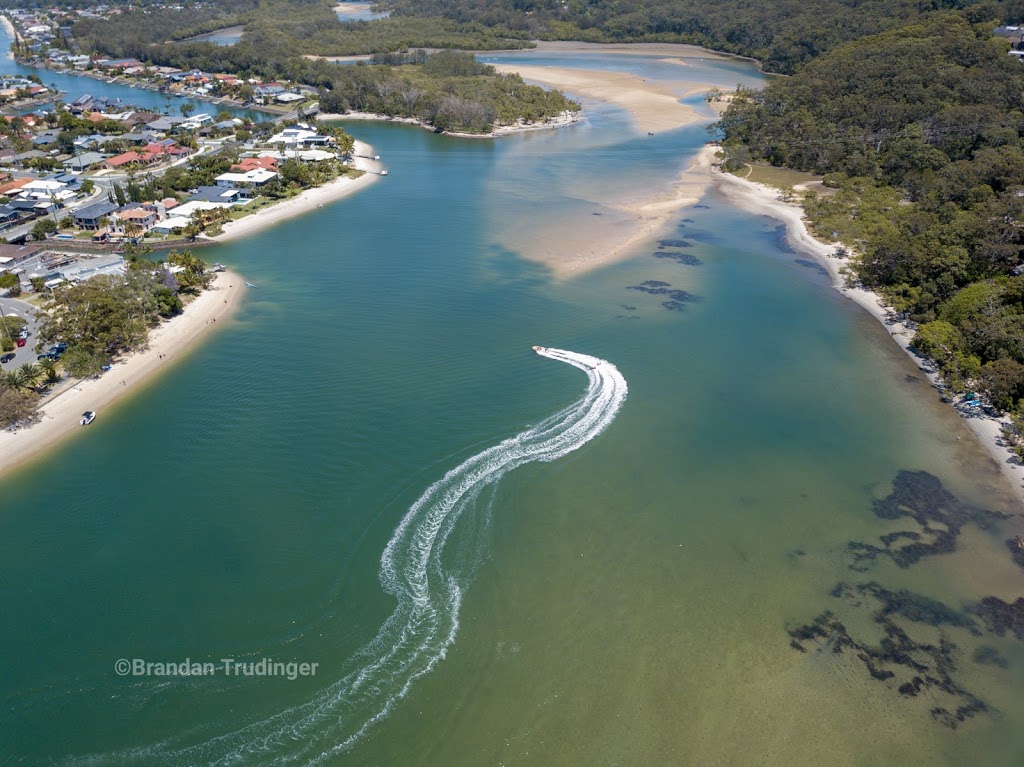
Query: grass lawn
[(780, 178)]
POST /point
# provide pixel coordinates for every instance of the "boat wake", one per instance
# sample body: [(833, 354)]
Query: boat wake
[(427, 581)]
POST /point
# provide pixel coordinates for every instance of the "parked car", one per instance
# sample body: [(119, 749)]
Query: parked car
[(60, 347), (20, 341), (48, 356), (7, 357)]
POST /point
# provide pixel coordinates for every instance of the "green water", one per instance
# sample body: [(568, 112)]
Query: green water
[(626, 604)]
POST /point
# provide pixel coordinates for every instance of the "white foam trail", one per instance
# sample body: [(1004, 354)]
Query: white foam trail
[(428, 591)]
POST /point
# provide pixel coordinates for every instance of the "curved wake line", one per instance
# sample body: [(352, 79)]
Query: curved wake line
[(427, 581)]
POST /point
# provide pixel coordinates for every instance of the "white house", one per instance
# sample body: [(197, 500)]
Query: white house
[(169, 225), (257, 177), (300, 137)]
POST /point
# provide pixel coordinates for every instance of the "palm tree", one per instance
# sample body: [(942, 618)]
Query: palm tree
[(49, 369), (29, 375), (9, 380)]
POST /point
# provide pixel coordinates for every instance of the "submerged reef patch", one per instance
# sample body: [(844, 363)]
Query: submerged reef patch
[(907, 641), (676, 300), (686, 259), (921, 497), (909, 666)]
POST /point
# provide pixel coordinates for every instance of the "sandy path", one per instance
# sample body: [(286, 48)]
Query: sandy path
[(654, 106), (167, 344), (764, 200), (306, 201)]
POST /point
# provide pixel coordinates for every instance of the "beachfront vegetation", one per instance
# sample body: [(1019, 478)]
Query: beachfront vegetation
[(110, 315), (17, 407), (919, 132)]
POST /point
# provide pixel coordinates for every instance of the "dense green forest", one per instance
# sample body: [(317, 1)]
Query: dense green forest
[(279, 29), (919, 130), (782, 34)]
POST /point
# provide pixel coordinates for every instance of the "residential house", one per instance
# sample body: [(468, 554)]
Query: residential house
[(247, 164), (13, 187), (123, 221), (89, 216), (218, 195), (171, 225), (250, 178), (300, 136), (123, 160), (84, 161)]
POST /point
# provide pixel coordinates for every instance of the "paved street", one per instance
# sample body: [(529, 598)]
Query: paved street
[(26, 311)]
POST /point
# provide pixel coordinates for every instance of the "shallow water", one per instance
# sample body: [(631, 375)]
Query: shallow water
[(627, 603)]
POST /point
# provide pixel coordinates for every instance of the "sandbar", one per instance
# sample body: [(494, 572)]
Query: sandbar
[(653, 106)]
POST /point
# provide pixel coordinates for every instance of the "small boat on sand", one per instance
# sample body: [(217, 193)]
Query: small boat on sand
[(87, 418)]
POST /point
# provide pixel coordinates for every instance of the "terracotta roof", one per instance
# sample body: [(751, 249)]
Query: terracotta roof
[(13, 185), (255, 163), (124, 159)]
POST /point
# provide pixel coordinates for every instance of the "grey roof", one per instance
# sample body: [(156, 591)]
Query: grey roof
[(165, 123), (85, 160), (213, 194), (95, 211)]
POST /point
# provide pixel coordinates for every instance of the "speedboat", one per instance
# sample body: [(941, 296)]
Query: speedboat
[(87, 418), (539, 349), (250, 285)]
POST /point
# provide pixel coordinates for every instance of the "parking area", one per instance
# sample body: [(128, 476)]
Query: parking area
[(14, 307)]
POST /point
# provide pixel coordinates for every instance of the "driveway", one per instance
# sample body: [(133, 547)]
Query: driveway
[(26, 311)]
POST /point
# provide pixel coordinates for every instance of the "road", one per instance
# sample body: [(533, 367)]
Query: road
[(26, 311)]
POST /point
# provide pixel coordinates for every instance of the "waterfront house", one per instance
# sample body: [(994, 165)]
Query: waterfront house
[(220, 195), (123, 220), (171, 225), (300, 136), (250, 178), (247, 164), (89, 216)]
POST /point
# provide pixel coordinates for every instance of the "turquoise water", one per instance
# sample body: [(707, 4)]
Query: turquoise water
[(626, 603)]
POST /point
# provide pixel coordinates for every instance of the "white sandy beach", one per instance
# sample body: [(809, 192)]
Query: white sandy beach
[(306, 201), (764, 200), (653, 106), (168, 343)]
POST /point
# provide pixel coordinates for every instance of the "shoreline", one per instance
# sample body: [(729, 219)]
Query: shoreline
[(306, 201), (765, 200), (168, 343), (563, 120)]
